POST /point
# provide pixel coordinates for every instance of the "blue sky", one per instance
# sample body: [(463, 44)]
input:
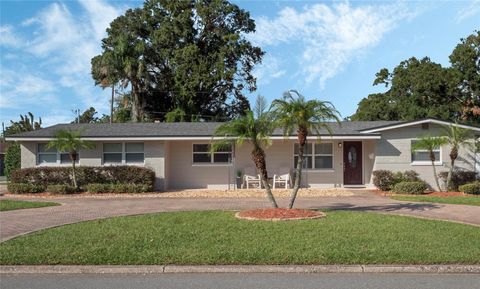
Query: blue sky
[(328, 50)]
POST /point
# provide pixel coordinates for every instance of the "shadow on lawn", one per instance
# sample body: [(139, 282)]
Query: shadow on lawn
[(383, 208)]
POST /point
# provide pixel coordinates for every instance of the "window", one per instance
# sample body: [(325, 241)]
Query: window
[(118, 153), (112, 153), (423, 156), (51, 156), (203, 155), (316, 156), (46, 155), (134, 153)]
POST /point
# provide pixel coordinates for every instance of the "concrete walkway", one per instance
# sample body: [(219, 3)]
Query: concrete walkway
[(73, 210)]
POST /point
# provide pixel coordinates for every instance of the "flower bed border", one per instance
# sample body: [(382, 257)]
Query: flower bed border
[(318, 216)]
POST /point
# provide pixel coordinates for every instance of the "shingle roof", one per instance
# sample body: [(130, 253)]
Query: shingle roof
[(179, 129)]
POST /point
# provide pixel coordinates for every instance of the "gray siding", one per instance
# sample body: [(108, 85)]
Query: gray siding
[(393, 152)]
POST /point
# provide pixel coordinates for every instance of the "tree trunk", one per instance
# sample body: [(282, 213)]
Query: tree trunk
[(258, 156), (302, 139), (432, 159), (453, 157), (137, 104), (73, 157)]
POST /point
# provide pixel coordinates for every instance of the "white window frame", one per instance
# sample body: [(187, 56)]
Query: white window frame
[(313, 155), (57, 157), (124, 154), (212, 155), (424, 163)]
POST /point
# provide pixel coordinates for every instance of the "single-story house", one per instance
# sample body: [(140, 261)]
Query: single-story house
[(179, 152)]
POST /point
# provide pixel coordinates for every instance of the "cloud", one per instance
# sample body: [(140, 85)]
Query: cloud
[(469, 11), (59, 52), (8, 38), (268, 70), (329, 37)]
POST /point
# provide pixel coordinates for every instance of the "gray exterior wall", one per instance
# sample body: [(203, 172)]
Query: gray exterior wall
[(393, 152)]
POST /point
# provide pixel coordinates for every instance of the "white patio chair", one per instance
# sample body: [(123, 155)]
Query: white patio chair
[(283, 178), (250, 178)]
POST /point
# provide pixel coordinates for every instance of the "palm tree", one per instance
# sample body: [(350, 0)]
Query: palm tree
[(69, 141), (430, 144), (255, 128), (456, 137), (295, 112)]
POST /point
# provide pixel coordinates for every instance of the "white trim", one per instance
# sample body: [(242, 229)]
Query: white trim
[(441, 122), (113, 139)]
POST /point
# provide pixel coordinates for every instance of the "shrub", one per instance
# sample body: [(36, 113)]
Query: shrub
[(471, 188), (416, 187), (458, 178), (61, 189), (383, 179), (25, 188), (98, 188), (86, 175), (116, 188), (12, 159)]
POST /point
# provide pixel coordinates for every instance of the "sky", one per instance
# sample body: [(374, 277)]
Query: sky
[(328, 50)]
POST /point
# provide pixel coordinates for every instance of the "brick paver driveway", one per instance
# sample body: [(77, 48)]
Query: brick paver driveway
[(18, 222)]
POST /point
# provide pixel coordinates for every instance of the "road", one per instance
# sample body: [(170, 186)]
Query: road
[(240, 280)]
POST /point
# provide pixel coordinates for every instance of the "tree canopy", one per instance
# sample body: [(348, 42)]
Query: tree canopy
[(26, 123), (421, 88), (188, 55)]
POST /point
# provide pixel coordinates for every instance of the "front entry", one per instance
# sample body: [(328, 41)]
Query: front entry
[(352, 163)]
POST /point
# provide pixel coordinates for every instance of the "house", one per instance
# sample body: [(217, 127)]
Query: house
[(179, 152)]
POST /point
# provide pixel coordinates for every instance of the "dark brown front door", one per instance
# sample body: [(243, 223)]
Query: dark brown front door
[(352, 163)]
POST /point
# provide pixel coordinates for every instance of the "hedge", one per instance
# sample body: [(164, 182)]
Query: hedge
[(415, 188), (46, 176), (458, 178), (116, 188), (12, 159), (25, 188), (471, 188), (385, 180), (61, 189)]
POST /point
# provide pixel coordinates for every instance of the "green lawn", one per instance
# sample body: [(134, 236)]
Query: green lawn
[(8, 205), (467, 200), (216, 237)]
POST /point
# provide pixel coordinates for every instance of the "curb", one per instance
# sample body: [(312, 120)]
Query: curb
[(162, 269)]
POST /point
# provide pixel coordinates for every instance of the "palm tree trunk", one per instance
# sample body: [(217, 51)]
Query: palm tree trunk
[(436, 177), (74, 174), (298, 177), (302, 139), (450, 174), (258, 156)]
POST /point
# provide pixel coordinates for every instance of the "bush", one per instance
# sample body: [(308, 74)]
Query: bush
[(61, 189), (416, 187), (383, 179), (458, 178), (471, 188), (116, 188), (86, 175), (12, 159), (24, 188)]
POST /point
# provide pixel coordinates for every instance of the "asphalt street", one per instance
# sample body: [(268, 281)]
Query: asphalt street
[(240, 281)]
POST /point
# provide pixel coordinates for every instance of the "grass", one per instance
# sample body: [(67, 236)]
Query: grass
[(216, 237), (9, 205), (458, 200)]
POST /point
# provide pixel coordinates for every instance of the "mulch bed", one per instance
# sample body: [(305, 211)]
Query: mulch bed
[(279, 214), (446, 194)]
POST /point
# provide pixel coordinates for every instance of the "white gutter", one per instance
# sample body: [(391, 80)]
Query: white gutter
[(441, 122), (40, 139)]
